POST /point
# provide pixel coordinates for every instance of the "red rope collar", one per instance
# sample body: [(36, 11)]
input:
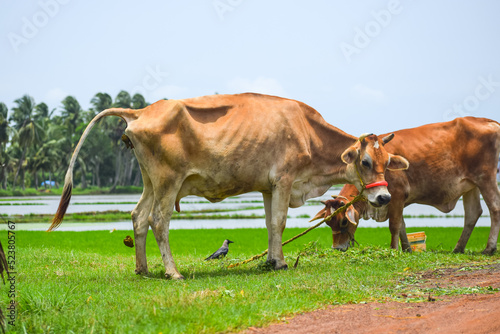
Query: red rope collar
[(377, 184)]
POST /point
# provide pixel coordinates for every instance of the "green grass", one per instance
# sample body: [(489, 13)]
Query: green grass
[(81, 282), (76, 191), (18, 199), (116, 215), (23, 204), (102, 203)]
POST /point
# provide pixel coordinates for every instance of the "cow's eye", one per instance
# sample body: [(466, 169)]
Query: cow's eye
[(365, 163)]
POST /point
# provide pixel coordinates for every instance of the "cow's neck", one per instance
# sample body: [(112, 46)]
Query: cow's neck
[(327, 144), (326, 149)]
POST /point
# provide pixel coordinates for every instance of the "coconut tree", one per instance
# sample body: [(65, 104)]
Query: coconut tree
[(99, 102), (29, 132), (52, 156), (97, 154), (5, 129), (123, 100), (138, 101), (71, 113), (115, 129), (6, 132)]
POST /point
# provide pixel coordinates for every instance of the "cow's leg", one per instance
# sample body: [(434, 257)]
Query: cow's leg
[(268, 210), (491, 196), (403, 237), (395, 223), (140, 216), (163, 206), (277, 204), (473, 210), (394, 227)]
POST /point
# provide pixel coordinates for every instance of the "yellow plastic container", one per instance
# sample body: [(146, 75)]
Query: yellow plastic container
[(417, 241)]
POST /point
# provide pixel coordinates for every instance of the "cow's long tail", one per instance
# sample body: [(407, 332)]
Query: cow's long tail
[(127, 115)]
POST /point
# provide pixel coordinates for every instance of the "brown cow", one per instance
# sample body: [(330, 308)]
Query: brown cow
[(447, 161), (224, 145)]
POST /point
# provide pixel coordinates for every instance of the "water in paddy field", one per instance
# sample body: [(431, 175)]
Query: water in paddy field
[(246, 204)]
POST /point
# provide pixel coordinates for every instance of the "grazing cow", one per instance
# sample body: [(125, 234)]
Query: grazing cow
[(447, 161), (224, 145)]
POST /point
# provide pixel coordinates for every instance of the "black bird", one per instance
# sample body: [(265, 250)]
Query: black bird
[(221, 251)]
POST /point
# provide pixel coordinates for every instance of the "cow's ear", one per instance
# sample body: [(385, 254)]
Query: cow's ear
[(350, 155), (351, 215), (320, 215), (397, 162)]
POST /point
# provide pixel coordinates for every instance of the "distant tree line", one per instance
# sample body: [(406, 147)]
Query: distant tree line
[(36, 145)]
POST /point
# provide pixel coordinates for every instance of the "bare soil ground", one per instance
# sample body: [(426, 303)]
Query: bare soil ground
[(470, 313)]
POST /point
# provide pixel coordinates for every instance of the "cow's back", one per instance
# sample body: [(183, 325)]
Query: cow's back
[(445, 159), (216, 141)]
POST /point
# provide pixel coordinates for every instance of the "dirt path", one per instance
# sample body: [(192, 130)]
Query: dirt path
[(471, 313)]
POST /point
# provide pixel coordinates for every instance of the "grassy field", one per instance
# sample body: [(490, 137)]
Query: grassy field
[(84, 282), (116, 215), (92, 190)]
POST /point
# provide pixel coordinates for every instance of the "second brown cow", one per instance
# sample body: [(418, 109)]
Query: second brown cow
[(447, 161)]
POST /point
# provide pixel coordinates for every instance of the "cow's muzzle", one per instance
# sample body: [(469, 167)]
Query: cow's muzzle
[(348, 243), (383, 199)]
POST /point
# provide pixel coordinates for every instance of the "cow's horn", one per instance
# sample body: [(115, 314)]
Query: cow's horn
[(337, 196), (363, 136), (387, 138)]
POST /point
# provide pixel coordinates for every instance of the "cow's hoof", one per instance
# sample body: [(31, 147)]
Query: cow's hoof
[(489, 251), (282, 267), (458, 250), (277, 266), (141, 272), (174, 276), (273, 265)]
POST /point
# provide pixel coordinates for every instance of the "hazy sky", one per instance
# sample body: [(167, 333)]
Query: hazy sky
[(364, 65)]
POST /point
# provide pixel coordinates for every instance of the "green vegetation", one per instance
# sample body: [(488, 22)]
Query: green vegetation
[(18, 199), (81, 282), (116, 215), (7, 204), (90, 190), (36, 144)]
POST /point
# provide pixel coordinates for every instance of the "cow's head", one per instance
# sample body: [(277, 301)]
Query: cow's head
[(366, 162), (343, 224)]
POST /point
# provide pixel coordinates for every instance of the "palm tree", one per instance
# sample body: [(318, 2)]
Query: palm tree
[(97, 155), (138, 101), (29, 132), (71, 113), (4, 127), (115, 129), (42, 112), (5, 133), (100, 102), (123, 100), (52, 155)]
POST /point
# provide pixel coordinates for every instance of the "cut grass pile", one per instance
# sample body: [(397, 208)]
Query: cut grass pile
[(82, 282)]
